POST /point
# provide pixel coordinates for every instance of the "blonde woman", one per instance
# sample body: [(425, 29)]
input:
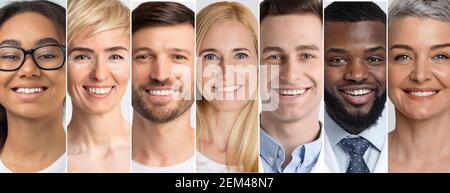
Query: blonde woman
[(227, 112), (98, 74)]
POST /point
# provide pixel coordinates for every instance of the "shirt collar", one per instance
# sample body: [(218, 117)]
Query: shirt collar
[(375, 134), (270, 148)]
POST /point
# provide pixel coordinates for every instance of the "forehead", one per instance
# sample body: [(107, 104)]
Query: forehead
[(228, 35), (101, 39), (345, 34), (411, 31), (293, 29), (165, 37), (19, 27)]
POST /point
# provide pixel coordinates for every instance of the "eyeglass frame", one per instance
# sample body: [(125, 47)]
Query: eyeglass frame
[(31, 51)]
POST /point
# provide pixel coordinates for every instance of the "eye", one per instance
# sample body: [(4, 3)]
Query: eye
[(180, 57), (115, 57), (81, 57), (10, 57), (240, 56), (402, 58), (306, 56), (143, 57), (440, 57), (374, 60), (210, 57), (46, 56), (337, 61)]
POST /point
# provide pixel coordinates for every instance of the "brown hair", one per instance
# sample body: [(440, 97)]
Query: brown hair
[(161, 13), (285, 7)]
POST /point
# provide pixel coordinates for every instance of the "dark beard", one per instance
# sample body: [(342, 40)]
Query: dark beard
[(350, 122), (159, 113)]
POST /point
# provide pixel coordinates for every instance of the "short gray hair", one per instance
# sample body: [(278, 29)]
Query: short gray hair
[(434, 9)]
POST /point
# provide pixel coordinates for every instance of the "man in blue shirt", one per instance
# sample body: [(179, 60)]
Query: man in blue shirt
[(355, 87), (291, 135)]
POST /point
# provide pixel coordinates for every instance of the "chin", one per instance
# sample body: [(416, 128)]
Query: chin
[(225, 105)]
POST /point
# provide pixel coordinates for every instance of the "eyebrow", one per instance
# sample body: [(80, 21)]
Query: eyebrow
[(400, 46), (337, 50), (151, 50), (307, 47), (208, 50), (440, 46), (272, 48), (80, 49), (374, 49), (44, 41), (116, 48), (10, 42)]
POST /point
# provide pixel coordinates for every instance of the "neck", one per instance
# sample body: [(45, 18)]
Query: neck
[(162, 144), (88, 131), (219, 126), (40, 139), (291, 134), (421, 139)]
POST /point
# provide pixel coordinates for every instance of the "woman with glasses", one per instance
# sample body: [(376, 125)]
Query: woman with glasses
[(32, 87), (98, 73)]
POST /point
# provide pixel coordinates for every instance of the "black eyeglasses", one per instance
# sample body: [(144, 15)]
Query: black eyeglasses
[(46, 57)]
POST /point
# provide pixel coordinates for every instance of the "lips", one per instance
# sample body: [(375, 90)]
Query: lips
[(358, 94), (29, 90), (98, 90), (421, 93), (228, 88)]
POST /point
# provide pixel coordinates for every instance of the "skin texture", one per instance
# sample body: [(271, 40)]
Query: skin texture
[(239, 49), (354, 59), (419, 59), (163, 56), (98, 138), (36, 136), (298, 54)]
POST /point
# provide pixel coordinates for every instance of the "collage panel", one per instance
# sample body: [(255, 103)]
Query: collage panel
[(163, 52), (98, 74), (355, 86), (419, 79), (33, 89), (227, 86), (291, 128)]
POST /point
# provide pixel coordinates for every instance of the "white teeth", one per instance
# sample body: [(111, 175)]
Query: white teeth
[(358, 92), (291, 91), (160, 92), (426, 93), (29, 90), (231, 88), (96, 90)]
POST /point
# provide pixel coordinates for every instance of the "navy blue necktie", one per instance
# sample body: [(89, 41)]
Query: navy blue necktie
[(356, 147)]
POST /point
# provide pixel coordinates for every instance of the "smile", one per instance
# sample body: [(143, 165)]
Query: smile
[(291, 92), (427, 93), (358, 92), (160, 92), (29, 90), (230, 88), (99, 90)]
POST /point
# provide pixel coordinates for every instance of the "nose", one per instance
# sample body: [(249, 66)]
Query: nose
[(29, 69), (100, 71), (420, 72), (356, 72), (160, 69), (290, 70)]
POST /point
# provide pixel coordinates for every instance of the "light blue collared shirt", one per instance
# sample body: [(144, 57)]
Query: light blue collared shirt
[(304, 157), (376, 135)]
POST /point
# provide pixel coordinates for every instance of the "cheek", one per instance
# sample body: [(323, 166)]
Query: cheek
[(379, 74), (332, 75), (121, 75)]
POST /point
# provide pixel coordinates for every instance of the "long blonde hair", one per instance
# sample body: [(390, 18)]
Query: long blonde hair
[(242, 146)]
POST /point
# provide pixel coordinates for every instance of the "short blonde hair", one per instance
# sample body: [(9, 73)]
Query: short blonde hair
[(103, 15), (242, 147)]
